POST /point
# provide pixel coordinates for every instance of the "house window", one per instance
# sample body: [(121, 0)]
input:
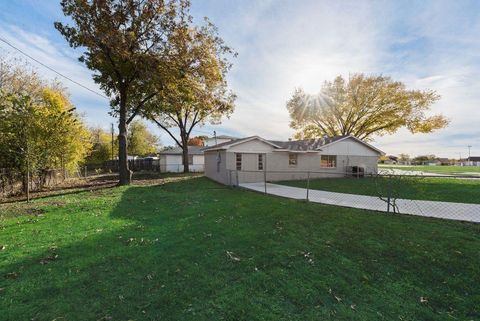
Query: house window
[(328, 161), (260, 162), (219, 161), (239, 162), (190, 160), (292, 159)]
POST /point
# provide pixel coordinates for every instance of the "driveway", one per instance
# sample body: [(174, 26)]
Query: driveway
[(445, 210)]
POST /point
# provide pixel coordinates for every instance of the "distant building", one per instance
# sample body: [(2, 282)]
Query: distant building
[(389, 159), (171, 160), (471, 161)]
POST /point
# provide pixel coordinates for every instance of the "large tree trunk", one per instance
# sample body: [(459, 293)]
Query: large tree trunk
[(186, 168), (124, 172)]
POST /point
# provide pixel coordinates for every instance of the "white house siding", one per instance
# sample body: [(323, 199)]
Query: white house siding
[(211, 159), (174, 164), (348, 153)]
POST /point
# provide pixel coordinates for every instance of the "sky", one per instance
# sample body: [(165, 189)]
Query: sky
[(283, 45)]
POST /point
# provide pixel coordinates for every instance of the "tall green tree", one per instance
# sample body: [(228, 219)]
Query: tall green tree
[(101, 147), (40, 132), (141, 141), (363, 106), (124, 43), (196, 91)]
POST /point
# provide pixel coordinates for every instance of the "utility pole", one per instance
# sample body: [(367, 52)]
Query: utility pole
[(469, 147)]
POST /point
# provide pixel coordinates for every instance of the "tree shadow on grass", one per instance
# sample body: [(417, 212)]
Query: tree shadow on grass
[(191, 249)]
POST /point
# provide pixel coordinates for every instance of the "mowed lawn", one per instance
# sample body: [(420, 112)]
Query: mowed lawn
[(436, 169), (426, 188), (190, 249)]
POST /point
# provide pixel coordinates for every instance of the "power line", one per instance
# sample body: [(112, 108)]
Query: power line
[(51, 69), (70, 79)]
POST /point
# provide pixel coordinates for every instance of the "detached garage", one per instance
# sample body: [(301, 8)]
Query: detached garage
[(171, 160)]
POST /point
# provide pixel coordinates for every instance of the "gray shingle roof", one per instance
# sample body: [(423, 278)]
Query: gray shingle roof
[(225, 137), (293, 145), (306, 144), (474, 159), (227, 143), (192, 150)]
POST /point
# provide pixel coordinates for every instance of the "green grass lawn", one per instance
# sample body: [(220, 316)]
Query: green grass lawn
[(436, 169), (191, 249), (435, 189)]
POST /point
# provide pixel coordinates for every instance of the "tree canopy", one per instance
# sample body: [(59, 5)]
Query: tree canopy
[(363, 106), (101, 147), (125, 43), (196, 91), (197, 141), (39, 125), (141, 141)]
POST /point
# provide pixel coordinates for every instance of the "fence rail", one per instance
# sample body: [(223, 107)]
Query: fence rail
[(445, 196), (152, 165), (13, 182)]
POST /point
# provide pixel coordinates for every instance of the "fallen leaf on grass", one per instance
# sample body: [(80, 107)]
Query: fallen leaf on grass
[(232, 257), (11, 275), (2, 247), (423, 299), (49, 258)]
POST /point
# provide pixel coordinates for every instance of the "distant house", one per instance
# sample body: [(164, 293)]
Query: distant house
[(389, 159), (171, 160), (211, 141), (444, 161), (250, 159), (472, 161)]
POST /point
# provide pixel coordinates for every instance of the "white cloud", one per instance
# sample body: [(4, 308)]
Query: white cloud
[(60, 58), (287, 44)]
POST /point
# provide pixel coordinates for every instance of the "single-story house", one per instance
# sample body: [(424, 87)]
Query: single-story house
[(389, 159), (171, 160), (252, 159), (472, 161)]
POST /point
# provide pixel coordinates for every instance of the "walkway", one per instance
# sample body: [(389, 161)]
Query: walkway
[(446, 210)]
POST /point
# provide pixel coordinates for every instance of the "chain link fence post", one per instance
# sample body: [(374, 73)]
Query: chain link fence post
[(308, 185), (389, 182), (265, 180)]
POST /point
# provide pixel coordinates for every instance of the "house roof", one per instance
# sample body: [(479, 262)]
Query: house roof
[(192, 150), (306, 145), (234, 142), (474, 159), (225, 137)]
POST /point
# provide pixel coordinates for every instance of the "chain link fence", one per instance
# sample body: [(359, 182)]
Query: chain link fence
[(14, 182), (154, 165), (455, 197)]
